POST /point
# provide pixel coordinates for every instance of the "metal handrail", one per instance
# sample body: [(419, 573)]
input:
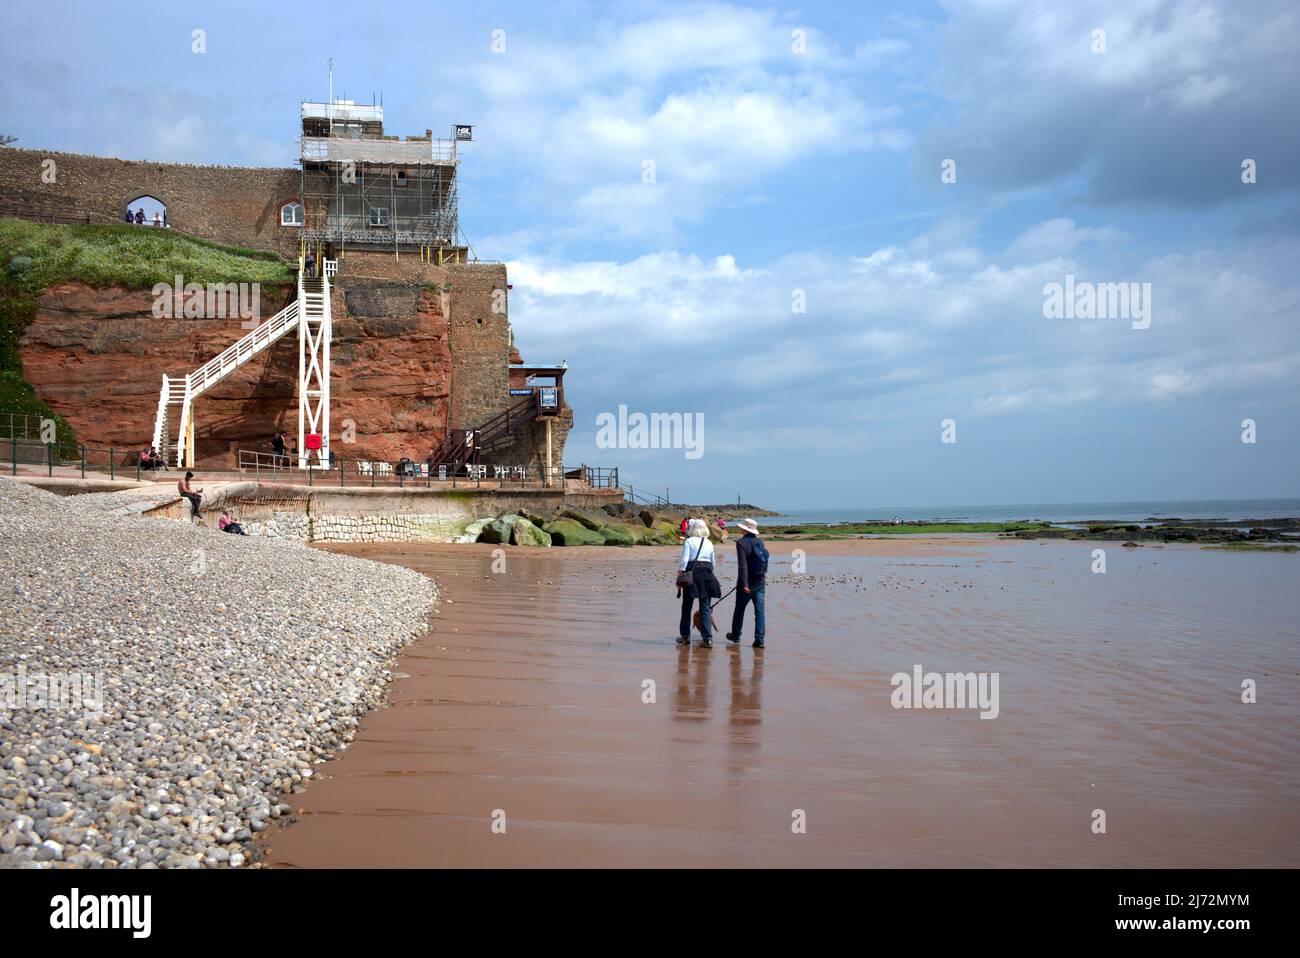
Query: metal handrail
[(274, 467), (278, 324)]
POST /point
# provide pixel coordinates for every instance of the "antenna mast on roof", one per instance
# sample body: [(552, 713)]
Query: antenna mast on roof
[(329, 110)]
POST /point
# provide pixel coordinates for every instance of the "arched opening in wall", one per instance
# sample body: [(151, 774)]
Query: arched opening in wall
[(146, 210)]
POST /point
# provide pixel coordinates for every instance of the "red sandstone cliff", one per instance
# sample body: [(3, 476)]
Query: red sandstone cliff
[(97, 356)]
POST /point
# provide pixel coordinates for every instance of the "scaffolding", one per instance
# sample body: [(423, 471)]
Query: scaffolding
[(364, 189)]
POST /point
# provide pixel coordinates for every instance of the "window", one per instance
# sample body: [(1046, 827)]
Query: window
[(379, 216), (291, 214), (399, 178)]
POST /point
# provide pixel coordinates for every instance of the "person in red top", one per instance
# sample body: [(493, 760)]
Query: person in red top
[(685, 525)]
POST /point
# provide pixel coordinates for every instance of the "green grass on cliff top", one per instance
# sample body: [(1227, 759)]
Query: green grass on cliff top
[(34, 256)]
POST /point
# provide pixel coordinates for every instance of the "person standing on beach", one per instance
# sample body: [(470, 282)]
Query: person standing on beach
[(189, 492), (695, 580), (751, 582)]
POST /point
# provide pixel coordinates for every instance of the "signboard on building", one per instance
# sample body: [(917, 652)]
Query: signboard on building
[(521, 392), (464, 132), (550, 397)]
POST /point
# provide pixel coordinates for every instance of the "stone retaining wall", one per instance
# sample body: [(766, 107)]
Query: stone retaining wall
[(383, 528), (370, 515)]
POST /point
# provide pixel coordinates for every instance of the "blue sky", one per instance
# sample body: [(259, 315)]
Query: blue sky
[(778, 170)]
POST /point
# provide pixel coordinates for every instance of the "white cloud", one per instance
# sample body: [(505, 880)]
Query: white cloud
[(904, 331), (714, 97), (1058, 237)]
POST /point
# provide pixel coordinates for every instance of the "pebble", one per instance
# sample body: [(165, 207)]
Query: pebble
[(229, 666)]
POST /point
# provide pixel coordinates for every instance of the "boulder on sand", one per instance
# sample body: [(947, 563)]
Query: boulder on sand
[(472, 531), (498, 530), (524, 533), (668, 530), (617, 534), (569, 532), (593, 521), (664, 534)]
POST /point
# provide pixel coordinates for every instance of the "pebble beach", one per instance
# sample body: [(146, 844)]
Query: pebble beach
[(215, 672)]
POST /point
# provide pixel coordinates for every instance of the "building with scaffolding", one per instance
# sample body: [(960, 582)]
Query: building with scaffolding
[(363, 189), (405, 349)]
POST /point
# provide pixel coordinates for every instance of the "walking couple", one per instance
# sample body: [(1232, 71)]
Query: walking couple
[(695, 580)]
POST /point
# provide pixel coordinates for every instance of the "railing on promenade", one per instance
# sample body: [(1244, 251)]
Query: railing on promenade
[(408, 473), (74, 461)]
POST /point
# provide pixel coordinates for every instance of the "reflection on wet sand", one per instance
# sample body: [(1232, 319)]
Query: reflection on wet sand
[(691, 700), (1118, 692), (746, 690)]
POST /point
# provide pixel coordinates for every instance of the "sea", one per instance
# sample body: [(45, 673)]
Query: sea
[(1226, 510)]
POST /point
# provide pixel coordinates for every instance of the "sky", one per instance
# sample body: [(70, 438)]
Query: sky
[(826, 229)]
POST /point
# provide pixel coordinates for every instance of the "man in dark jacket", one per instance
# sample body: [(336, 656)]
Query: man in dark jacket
[(751, 575)]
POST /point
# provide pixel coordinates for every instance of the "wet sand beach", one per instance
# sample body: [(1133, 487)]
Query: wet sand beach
[(1119, 692)]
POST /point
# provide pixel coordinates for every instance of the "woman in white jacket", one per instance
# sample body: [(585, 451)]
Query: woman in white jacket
[(697, 559)]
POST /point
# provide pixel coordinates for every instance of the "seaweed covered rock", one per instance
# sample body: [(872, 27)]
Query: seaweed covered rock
[(472, 531), (569, 532), (592, 520), (668, 530), (498, 531), (524, 533), (617, 534)]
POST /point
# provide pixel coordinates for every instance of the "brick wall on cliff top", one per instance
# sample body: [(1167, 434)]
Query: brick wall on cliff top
[(227, 204)]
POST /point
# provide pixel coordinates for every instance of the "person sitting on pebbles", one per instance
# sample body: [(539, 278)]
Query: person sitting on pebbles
[(227, 524)]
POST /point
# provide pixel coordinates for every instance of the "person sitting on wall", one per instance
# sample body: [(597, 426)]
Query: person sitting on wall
[(130, 215), (157, 219), (188, 491), (139, 216)]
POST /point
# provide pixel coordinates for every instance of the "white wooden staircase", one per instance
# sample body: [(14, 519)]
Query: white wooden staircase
[(173, 433)]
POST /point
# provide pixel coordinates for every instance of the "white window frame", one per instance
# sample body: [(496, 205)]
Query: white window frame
[(301, 215), (379, 216)]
